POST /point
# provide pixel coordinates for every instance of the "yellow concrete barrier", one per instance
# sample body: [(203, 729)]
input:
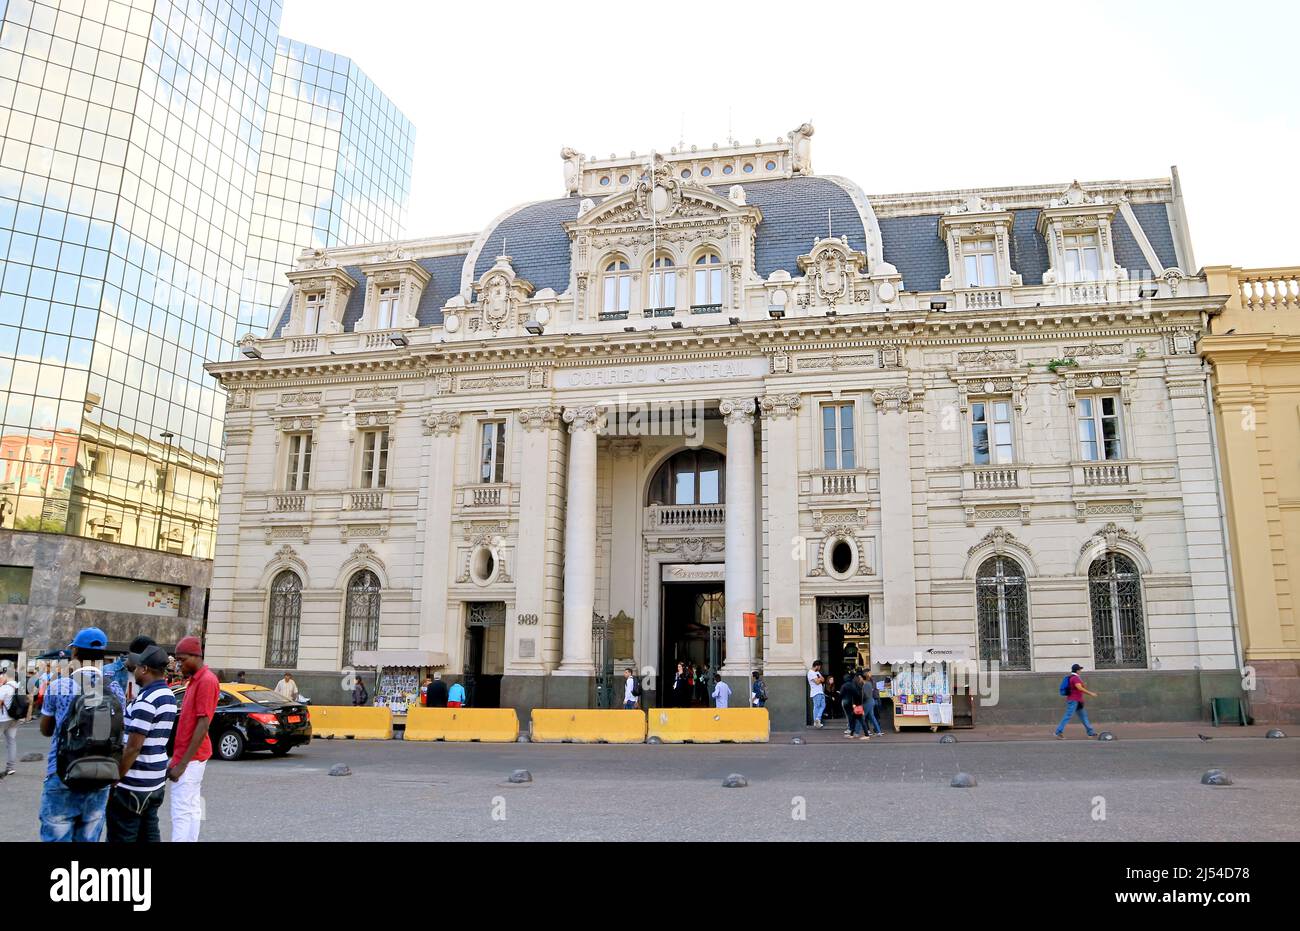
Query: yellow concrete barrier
[(587, 725), (343, 721), (709, 725), (487, 725)]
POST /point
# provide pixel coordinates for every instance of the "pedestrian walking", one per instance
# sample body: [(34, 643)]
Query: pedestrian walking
[(134, 802), (721, 692), (631, 690), (424, 690), (853, 710), (680, 696), (817, 691), (437, 697), (68, 814), (870, 705), (847, 697), (286, 688), (1073, 689), (13, 708), (758, 691), (360, 697), (193, 749), (456, 696)]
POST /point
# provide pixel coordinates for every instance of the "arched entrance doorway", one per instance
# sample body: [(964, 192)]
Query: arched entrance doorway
[(686, 501)]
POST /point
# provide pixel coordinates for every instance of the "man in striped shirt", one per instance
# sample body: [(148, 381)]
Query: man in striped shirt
[(134, 802)]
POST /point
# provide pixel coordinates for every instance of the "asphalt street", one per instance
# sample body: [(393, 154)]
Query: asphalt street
[(1142, 789)]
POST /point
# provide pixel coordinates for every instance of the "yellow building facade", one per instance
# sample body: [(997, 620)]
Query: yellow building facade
[(1254, 346)]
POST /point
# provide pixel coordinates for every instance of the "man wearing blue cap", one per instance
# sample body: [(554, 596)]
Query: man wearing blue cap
[(66, 814)]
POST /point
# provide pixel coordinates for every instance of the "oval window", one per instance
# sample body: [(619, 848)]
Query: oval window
[(749, 168), (771, 166), (604, 182), (686, 172), (706, 171), (483, 565), (727, 169), (842, 557), (623, 179)]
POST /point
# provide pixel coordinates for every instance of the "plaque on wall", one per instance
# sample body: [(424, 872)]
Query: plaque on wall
[(785, 630), (527, 648)]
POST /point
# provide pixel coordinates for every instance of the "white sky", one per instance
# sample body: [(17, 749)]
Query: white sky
[(905, 97)]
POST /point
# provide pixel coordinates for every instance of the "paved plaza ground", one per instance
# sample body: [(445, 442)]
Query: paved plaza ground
[(1031, 787)]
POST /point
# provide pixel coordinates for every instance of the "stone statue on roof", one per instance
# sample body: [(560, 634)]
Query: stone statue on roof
[(572, 169), (801, 149)]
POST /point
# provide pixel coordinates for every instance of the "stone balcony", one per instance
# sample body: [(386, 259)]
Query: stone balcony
[(685, 518), (486, 497), (836, 483), (1107, 475)]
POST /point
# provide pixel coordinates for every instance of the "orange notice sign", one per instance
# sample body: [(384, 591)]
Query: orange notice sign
[(751, 624)]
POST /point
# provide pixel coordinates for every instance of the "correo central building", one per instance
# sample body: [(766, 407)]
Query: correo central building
[(713, 383)]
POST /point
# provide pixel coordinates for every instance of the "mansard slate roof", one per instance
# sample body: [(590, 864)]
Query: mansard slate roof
[(794, 215)]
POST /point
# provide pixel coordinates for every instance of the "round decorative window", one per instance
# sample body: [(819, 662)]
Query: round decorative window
[(483, 565), (840, 557), (727, 169), (686, 172), (604, 182), (771, 166), (706, 171), (749, 168), (623, 179)]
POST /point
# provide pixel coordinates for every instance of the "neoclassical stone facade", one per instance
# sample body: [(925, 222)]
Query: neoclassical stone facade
[(709, 384)]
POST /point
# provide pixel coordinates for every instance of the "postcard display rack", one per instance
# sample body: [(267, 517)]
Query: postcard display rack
[(921, 695), (398, 689)]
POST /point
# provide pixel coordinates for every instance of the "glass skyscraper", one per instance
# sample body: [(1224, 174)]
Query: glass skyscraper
[(335, 170), (163, 161)]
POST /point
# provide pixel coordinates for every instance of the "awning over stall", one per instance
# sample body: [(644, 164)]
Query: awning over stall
[(919, 653), (389, 659)]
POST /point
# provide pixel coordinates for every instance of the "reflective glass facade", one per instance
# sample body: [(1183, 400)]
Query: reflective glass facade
[(131, 138), (335, 170)]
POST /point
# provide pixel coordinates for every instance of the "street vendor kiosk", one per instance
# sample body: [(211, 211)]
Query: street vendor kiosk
[(397, 677), (919, 686)]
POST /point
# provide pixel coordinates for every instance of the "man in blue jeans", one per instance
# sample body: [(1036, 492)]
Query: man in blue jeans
[(1074, 704), (817, 692), (67, 815)]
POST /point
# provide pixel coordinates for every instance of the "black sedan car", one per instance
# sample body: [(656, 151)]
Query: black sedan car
[(250, 717)]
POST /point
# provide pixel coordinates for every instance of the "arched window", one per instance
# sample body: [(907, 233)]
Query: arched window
[(663, 284), (690, 477), (1003, 610), (362, 615), (618, 288), (1118, 630), (283, 618), (708, 281)]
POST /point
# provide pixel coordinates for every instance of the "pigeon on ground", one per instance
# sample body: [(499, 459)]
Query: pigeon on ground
[(1204, 738)]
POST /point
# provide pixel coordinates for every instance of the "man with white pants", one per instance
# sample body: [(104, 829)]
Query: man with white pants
[(8, 725), (193, 749)]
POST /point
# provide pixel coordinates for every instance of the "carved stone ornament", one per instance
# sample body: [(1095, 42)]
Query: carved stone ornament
[(830, 269), (1111, 536), (572, 169), (893, 400), (1001, 541), (499, 293), (801, 149), (584, 418), (776, 406), (240, 399), (247, 342), (987, 358), (297, 424), (1075, 195), (658, 194), (540, 418), (318, 259), (286, 552), (442, 423), (737, 411)]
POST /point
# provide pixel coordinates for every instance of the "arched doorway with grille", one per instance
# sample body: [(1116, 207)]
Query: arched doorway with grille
[(1118, 619), (361, 616), (1002, 608), (284, 616)]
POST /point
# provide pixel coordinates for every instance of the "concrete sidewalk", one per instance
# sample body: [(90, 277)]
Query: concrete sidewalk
[(833, 732)]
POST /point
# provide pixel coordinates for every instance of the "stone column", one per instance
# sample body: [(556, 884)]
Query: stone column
[(898, 552), (740, 586), (580, 542), (782, 569), (524, 651), (440, 480)]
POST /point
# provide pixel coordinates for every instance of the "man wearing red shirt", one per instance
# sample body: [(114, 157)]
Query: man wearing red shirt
[(193, 749), (1074, 704)]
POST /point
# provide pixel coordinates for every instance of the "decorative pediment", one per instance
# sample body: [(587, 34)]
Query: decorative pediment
[(498, 295), (667, 200), (990, 385), (830, 269)]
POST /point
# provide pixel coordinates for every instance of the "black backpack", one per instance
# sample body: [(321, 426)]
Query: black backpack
[(17, 709), (636, 687), (90, 740)]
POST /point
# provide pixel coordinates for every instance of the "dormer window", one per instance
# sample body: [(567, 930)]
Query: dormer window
[(708, 281), (312, 303), (1082, 257), (617, 288), (386, 309), (663, 284), (980, 262)]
